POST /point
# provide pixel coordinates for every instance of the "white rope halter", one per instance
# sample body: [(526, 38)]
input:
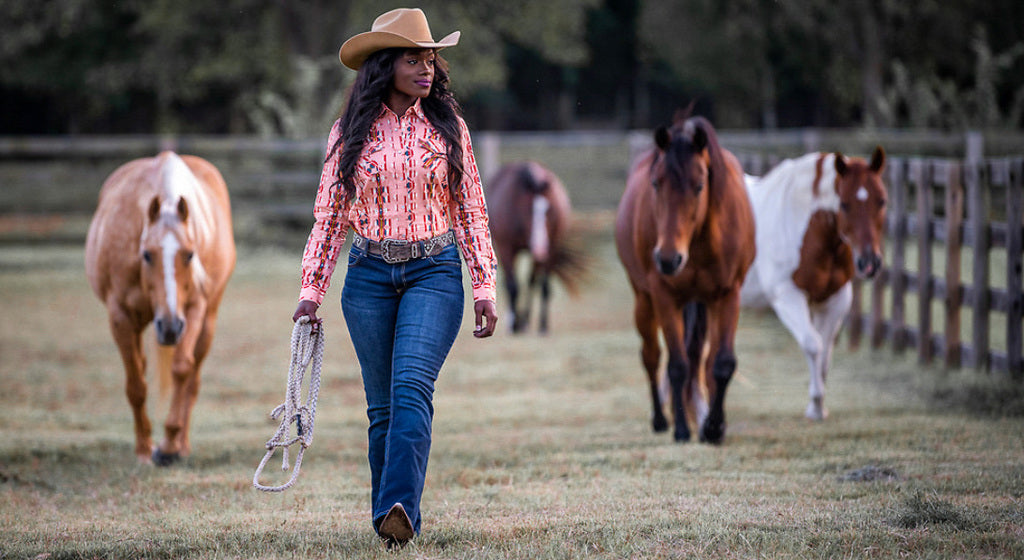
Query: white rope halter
[(306, 347)]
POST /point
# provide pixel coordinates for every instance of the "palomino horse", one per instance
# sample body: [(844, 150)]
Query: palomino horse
[(685, 235), (820, 220), (529, 211), (160, 248)]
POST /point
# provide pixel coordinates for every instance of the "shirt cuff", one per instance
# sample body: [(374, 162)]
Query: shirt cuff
[(312, 293), (484, 292)]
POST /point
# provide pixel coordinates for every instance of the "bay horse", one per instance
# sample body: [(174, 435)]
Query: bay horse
[(684, 232), (820, 220), (529, 212), (160, 249)]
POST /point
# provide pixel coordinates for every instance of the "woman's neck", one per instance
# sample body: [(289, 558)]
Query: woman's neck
[(399, 102)]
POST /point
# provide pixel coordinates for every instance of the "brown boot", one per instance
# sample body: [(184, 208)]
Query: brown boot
[(396, 527)]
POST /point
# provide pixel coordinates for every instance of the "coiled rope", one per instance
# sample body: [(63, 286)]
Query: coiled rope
[(307, 347)]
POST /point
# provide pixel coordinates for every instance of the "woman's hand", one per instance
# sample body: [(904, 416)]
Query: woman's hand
[(486, 318), (308, 308)]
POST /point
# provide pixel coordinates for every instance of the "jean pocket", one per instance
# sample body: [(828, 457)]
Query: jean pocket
[(449, 256), (355, 256)]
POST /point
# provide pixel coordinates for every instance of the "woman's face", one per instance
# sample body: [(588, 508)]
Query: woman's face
[(414, 73)]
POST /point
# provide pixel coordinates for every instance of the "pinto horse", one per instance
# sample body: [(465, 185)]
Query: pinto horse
[(160, 249), (529, 211), (685, 235), (820, 220)]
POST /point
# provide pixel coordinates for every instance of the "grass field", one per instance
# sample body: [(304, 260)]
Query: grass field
[(542, 445)]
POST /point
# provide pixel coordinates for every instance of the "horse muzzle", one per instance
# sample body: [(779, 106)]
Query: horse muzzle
[(669, 264), (168, 332), (867, 264)]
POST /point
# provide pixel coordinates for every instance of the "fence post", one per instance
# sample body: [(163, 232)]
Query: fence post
[(977, 216), (954, 292), (489, 158), (1014, 274), (898, 278), (923, 183)]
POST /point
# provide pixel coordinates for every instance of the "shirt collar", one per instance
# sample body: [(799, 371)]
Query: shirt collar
[(415, 110)]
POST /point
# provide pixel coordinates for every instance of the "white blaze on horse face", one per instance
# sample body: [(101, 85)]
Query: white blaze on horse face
[(170, 247), (862, 194), (539, 242)]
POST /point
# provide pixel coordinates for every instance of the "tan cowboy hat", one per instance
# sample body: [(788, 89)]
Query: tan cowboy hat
[(404, 27)]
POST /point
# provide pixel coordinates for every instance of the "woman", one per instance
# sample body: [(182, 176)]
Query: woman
[(400, 173)]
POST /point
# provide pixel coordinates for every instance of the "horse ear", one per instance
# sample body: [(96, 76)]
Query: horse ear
[(182, 209), (840, 164), (700, 138), (878, 159), (154, 209), (662, 138)]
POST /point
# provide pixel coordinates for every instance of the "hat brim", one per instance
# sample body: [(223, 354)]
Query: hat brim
[(356, 50)]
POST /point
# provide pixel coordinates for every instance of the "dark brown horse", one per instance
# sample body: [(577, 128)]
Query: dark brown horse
[(529, 212), (160, 249), (685, 235)]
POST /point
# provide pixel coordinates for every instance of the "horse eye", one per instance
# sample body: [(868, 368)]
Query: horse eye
[(844, 206), (188, 256), (881, 203), (148, 257), (654, 182)]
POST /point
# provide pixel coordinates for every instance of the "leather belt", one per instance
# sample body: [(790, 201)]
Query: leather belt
[(395, 251)]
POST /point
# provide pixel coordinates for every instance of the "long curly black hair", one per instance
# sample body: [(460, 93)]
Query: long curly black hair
[(370, 90)]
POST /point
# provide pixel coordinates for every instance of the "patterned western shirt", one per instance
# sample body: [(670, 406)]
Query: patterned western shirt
[(401, 193)]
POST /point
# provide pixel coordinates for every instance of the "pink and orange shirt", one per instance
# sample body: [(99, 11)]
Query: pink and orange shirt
[(401, 193)]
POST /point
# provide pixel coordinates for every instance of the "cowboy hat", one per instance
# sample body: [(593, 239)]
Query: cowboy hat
[(404, 27)]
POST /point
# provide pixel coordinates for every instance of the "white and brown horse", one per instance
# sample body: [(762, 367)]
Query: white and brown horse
[(529, 212), (820, 220), (161, 249)]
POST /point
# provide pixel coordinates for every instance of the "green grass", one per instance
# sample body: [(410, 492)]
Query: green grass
[(542, 445)]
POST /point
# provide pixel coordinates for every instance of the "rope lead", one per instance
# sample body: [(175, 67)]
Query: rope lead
[(307, 348)]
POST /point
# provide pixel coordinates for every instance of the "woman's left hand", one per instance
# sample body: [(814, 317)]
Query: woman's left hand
[(486, 318)]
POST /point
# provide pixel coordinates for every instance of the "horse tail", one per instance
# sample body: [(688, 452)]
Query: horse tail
[(164, 361), (570, 263)]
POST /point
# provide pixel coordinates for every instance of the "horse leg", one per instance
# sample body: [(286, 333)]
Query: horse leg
[(192, 389), (828, 319), (679, 367), (790, 305), (512, 285), (184, 373), (128, 337), (650, 356), (545, 296), (725, 314), (695, 320)]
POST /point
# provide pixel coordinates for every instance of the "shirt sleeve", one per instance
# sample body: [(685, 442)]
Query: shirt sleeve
[(469, 214), (330, 211)]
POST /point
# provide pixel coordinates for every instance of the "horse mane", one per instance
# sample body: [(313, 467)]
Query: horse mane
[(528, 178), (689, 131)]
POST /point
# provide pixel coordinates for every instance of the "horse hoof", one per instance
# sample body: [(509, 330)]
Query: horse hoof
[(712, 433), (681, 436), (815, 412), (659, 425), (162, 459)]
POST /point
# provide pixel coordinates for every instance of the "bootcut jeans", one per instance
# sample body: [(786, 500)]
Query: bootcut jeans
[(402, 319)]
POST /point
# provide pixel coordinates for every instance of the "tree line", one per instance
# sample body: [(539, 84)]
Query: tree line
[(271, 68)]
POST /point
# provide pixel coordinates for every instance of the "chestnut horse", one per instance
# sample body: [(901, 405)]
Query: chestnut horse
[(820, 220), (161, 249), (529, 211), (685, 235)]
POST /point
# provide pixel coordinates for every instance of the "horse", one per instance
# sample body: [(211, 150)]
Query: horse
[(529, 211), (820, 221), (684, 232), (160, 249)]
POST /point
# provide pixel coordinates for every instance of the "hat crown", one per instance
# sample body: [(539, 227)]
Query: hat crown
[(410, 23)]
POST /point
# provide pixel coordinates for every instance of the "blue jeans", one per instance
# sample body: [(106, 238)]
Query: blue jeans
[(403, 319)]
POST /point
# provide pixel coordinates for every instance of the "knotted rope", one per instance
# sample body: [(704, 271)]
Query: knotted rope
[(307, 347)]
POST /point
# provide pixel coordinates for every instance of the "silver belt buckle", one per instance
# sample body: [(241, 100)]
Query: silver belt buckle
[(388, 245)]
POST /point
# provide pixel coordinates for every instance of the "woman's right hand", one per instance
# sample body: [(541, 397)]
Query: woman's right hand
[(308, 308)]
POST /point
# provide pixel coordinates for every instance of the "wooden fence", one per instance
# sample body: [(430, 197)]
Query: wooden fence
[(972, 212)]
